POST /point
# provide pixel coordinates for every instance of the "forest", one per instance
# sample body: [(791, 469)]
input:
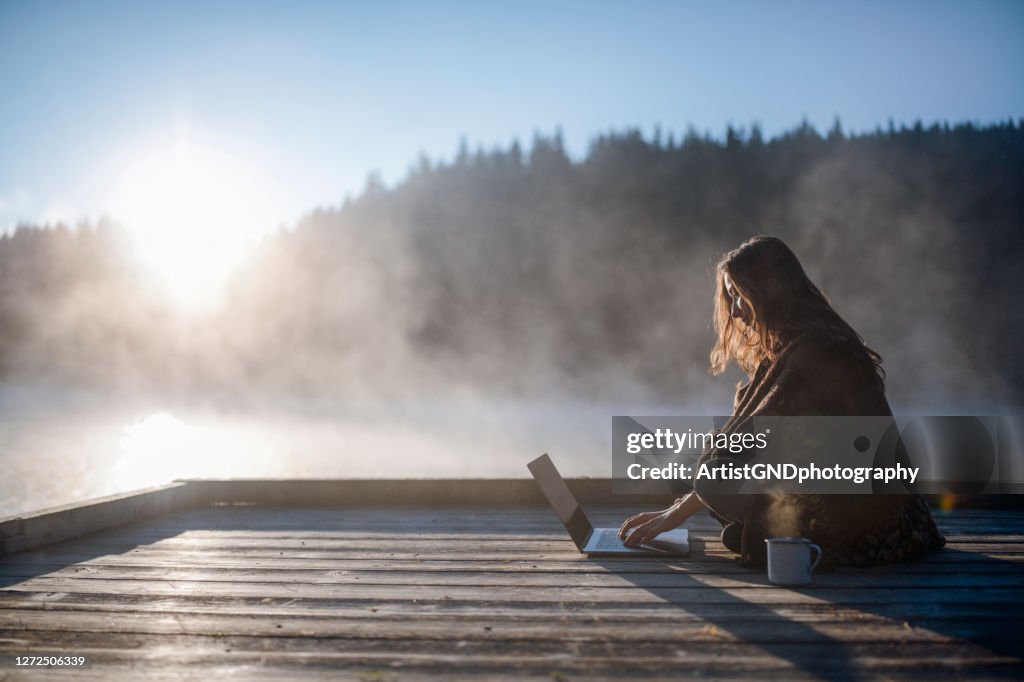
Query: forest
[(523, 271)]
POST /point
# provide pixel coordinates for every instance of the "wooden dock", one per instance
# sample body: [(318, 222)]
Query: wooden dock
[(481, 584)]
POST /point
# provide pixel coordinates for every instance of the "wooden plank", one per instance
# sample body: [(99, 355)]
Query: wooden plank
[(443, 549), (433, 529), (163, 556), (170, 667), (509, 516), (483, 644), (514, 521), (147, 535), (950, 557), (536, 510), (470, 577), (56, 603), (725, 589), (27, 531), (248, 665), (32, 564), (527, 519), (393, 493), (457, 542), (451, 655), (495, 551), (483, 627)]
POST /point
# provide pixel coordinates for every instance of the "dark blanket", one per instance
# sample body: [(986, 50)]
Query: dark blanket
[(815, 376)]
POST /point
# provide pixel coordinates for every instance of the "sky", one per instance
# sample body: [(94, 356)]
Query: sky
[(305, 99)]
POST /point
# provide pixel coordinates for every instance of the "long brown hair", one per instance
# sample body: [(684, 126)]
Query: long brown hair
[(782, 301)]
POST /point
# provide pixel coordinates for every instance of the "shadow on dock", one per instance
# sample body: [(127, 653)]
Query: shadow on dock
[(993, 626)]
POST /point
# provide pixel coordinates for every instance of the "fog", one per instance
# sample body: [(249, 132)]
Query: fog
[(506, 303)]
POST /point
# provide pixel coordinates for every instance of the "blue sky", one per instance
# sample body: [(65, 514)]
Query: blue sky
[(316, 95)]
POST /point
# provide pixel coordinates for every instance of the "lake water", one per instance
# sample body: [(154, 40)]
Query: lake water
[(59, 446)]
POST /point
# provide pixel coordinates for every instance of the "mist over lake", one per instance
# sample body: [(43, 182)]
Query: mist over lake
[(66, 445), (500, 305)]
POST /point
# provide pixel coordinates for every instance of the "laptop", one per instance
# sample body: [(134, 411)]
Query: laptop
[(598, 541)]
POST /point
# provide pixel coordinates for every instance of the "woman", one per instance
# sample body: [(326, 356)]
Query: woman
[(802, 359)]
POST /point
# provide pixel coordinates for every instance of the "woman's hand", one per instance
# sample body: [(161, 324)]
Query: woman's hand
[(642, 528)]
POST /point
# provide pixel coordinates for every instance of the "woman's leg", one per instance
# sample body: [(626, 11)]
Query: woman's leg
[(740, 516)]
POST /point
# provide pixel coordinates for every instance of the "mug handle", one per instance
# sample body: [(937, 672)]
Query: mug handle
[(817, 560)]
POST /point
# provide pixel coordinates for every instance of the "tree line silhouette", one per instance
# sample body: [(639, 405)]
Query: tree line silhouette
[(517, 270)]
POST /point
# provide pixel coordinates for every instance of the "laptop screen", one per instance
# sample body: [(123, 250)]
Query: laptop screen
[(561, 499)]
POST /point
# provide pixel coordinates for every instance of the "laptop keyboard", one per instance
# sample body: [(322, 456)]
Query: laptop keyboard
[(608, 539)]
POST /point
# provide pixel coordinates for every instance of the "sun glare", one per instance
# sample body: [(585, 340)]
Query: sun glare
[(162, 447), (158, 449), (193, 212)]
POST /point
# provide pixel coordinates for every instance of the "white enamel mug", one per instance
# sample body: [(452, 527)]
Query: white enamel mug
[(789, 560)]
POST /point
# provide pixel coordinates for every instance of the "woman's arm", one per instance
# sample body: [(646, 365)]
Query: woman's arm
[(642, 528)]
